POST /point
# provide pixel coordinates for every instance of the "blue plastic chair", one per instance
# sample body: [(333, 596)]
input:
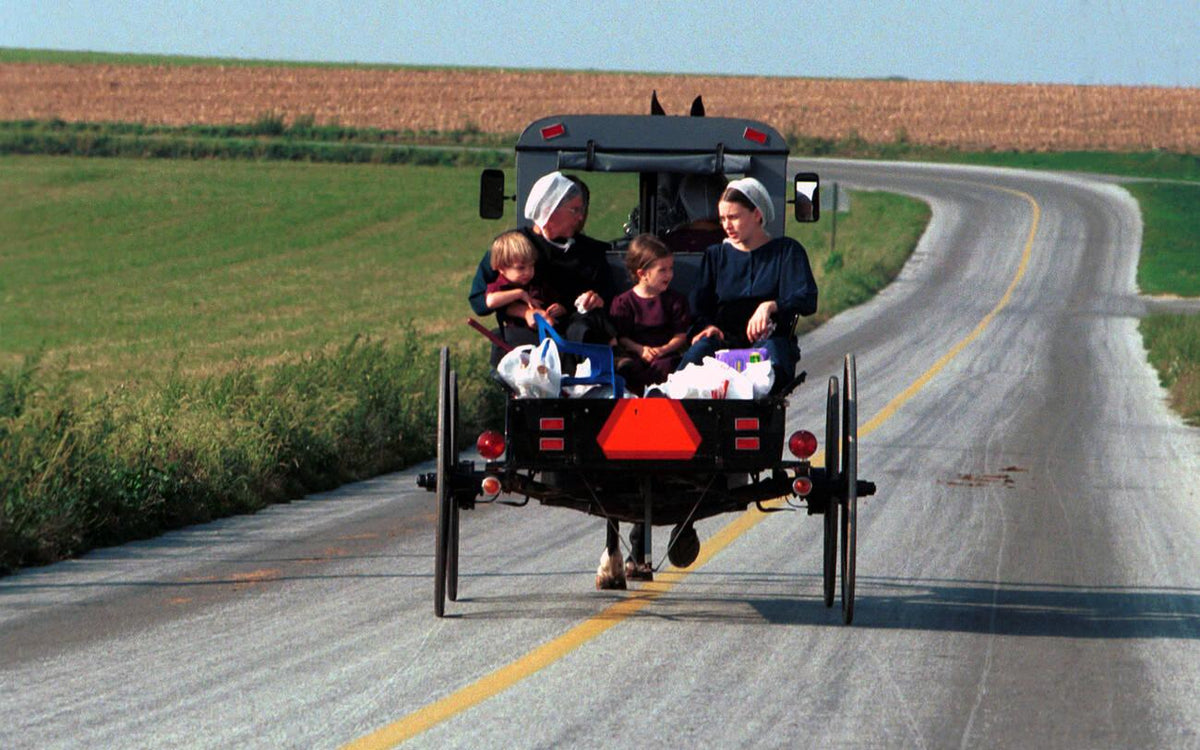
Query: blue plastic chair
[(604, 372)]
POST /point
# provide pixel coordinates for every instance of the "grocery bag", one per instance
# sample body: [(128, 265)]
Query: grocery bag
[(535, 372)]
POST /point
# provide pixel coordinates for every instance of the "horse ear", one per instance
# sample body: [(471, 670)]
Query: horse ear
[(698, 107), (655, 107)]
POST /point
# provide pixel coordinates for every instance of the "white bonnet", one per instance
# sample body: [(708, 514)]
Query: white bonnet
[(758, 195), (545, 195)]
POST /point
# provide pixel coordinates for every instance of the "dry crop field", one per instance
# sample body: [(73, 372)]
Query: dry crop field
[(972, 116)]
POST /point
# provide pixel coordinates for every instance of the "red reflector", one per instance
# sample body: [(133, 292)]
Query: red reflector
[(802, 443), (648, 428), (755, 135), (746, 443), (553, 131), (490, 445), (551, 444), (745, 424), (554, 424), (802, 486)]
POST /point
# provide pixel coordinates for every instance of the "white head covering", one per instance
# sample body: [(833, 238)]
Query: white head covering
[(544, 197), (758, 195)]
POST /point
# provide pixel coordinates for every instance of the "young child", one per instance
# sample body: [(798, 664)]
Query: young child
[(516, 291), (651, 320)]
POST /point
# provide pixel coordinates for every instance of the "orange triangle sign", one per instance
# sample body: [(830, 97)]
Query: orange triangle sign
[(648, 428)]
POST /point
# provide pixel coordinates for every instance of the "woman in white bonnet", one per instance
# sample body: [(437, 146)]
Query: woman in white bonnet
[(574, 265), (752, 286)]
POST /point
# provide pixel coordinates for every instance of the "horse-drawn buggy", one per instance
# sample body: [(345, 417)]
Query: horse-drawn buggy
[(653, 461)]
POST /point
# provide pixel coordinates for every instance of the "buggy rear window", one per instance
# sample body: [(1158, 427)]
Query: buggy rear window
[(599, 161)]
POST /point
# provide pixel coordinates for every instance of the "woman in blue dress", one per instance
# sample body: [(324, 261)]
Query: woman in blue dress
[(752, 286)]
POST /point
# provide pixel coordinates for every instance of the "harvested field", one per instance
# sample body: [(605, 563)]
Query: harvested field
[(970, 116)]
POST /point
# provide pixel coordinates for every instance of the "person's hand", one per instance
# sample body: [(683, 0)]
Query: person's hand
[(530, 312), (707, 332), (760, 325), (649, 353), (556, 311), (589, 300)]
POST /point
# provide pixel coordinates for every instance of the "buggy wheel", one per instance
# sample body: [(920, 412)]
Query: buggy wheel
[(452, 542), (445, 498), (849, 484), (831, 505)]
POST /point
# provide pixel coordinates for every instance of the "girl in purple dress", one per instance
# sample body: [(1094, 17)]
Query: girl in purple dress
[(651, 320)]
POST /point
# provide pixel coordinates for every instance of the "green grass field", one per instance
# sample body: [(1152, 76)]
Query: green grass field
[(127, 266), (127, 269), (1170, 260)]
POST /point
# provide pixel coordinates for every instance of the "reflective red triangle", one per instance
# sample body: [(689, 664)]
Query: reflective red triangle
[(648, 428)]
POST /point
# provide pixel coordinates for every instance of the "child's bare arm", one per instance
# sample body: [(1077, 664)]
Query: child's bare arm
[(677, 342), (505, 298)]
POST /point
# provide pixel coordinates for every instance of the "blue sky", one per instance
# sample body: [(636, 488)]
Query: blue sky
[(1019, 41)]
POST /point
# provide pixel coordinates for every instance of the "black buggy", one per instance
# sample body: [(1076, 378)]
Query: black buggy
[(654, 461)]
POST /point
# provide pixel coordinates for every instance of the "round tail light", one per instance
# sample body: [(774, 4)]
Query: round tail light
[(490, 486), (802, 444), (490, 445), (802, 486)]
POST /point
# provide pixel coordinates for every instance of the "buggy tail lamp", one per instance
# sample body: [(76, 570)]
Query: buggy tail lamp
[(753, 134), (802, 444), (550, 132), (490, 486), (802, 486), (490, 445)]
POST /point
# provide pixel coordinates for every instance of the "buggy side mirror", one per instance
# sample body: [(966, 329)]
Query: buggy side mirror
[(808, 198), (491, 194)]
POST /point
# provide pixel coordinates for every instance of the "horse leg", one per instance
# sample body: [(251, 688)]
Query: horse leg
[(611, 573)]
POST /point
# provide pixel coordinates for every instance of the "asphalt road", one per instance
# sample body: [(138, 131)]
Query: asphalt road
[(1027, 572)]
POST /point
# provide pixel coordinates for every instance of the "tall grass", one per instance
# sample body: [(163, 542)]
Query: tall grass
[(1173, 343), (80, 472)]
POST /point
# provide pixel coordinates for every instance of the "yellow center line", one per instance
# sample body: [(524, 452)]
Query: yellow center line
[(500, 680)]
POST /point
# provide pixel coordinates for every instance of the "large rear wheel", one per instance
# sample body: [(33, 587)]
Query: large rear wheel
[(445, 498), (452, 542), (832, 423), (849, 483)]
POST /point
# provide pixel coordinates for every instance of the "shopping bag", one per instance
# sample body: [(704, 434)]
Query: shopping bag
[(541, 375)]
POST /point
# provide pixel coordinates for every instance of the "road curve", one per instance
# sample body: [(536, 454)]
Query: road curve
[(1027, 572)]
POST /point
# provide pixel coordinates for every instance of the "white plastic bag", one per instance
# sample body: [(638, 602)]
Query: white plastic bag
[(539, 376), (582, 370), (510, 363), (761, 377), (710, 379)]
